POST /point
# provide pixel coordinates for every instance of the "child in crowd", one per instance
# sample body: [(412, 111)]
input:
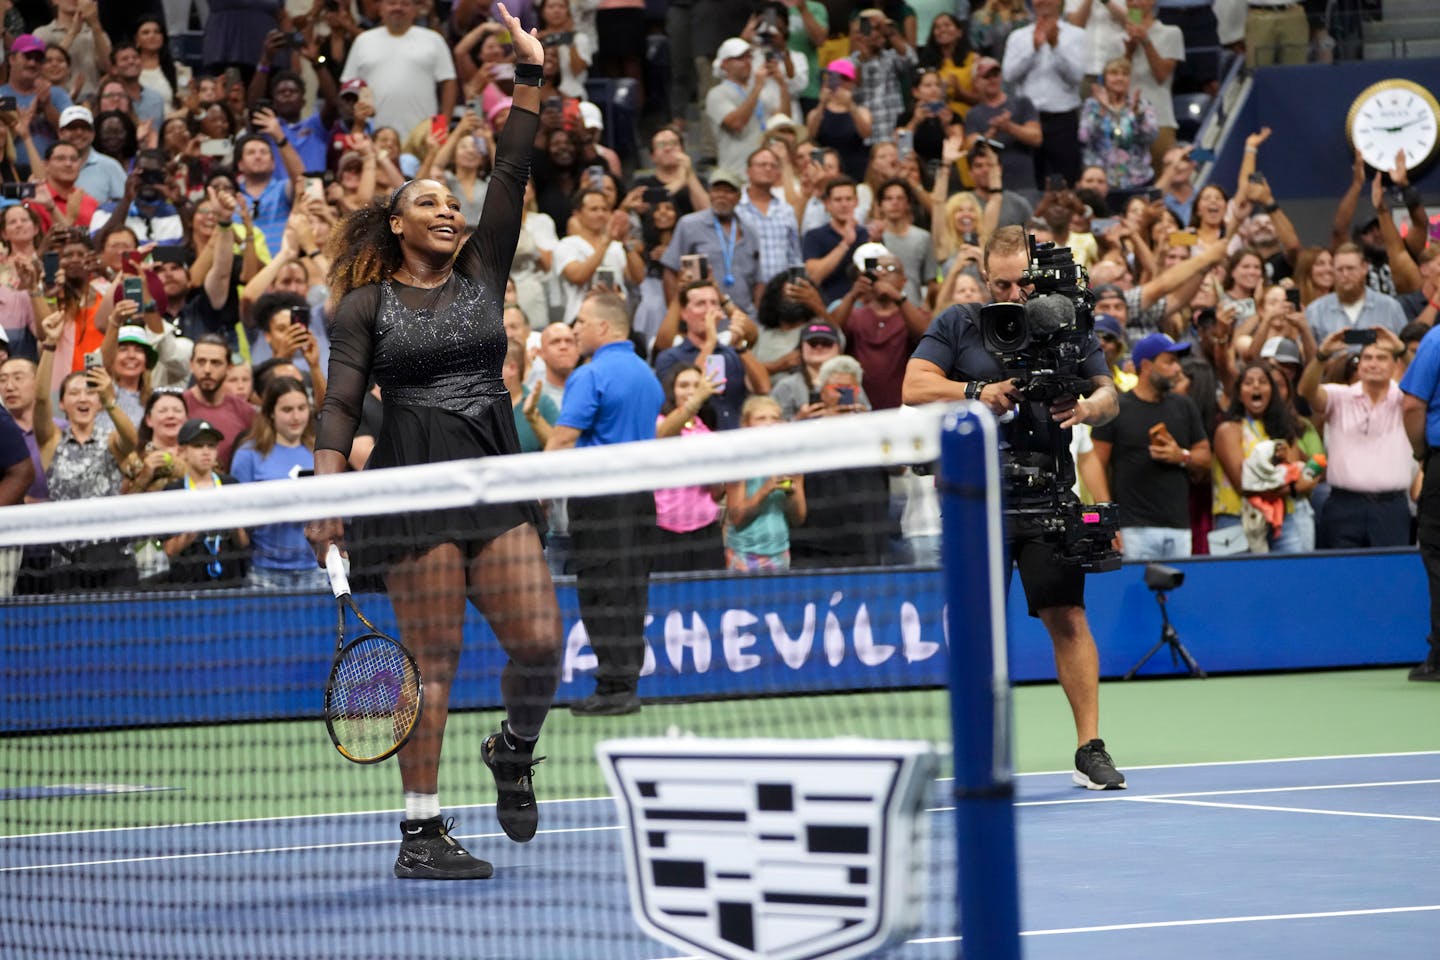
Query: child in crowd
[(762, 509)]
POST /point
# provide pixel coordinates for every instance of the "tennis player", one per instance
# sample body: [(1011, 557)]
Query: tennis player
[(420, 313)]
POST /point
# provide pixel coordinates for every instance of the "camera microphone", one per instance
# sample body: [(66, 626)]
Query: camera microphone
[(1050, 314)]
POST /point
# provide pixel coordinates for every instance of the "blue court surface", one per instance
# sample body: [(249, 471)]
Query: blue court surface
[(1313, 858)]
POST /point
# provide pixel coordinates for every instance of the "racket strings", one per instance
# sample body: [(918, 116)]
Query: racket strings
[(374, 697)]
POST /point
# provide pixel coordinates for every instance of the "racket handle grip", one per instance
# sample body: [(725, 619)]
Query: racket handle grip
[(339, 570)]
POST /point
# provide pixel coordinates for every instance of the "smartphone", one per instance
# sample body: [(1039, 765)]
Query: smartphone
[(7, 104), (1244, 307), (1257, 177), (504, 71), (314, 188), (558, 39), (866, 27), (694, 266), (972, 238), (133, 288), (832, 81), (871, 264), (595, 176), (1292, 294), (19, 190), (482, 146), (552, 103), (1360, 337), (263, 104), (995, 145), (654, 195), (1183, 238), (295, 38), (1102, 224), (301, 316), (51, 265), (605, 276), (477, 106), (214, 147), (440, 126), (817, 155), (1202, 155), (796, 275), (935, 106), (1158, 430), (1153, 195), (715, 370), (1055, 182), (93, 359), (905, 142), (847, 396), (815, 396)]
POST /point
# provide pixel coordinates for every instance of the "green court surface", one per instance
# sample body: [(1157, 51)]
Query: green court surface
[(245, 771)]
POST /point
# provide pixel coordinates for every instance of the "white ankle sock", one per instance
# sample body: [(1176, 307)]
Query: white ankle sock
[(421, 806)]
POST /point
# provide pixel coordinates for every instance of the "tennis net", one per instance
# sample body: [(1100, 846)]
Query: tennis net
[(169, 789)]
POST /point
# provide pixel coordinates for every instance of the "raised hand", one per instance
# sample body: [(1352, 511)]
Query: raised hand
[(51, 327), (1255, 139), (1400, 176), (528, 48)]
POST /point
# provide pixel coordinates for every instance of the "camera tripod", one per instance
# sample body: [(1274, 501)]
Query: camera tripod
[(1168, 637)]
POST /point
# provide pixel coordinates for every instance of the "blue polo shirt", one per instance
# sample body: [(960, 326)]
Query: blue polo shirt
[(614, 398), (271, 209), (1422, 381), (311, 140)]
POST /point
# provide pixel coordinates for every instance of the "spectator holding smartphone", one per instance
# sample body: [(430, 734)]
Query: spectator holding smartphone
[(840, 122), (576, 50), (214, 558), (600, 240), (1352, 305), (1255, 440), (688, 518), (761, 511), (736, 374)]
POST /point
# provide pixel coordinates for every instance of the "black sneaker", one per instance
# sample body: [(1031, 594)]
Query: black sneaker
[(607, 705), (428, 852), (1429, 670), (1094, 770), (514, 796)]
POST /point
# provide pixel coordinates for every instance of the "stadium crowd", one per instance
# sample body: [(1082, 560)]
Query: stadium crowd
[(815, 183)]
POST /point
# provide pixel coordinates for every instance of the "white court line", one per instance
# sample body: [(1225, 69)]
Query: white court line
[(1161, 924), (1115, 796), (1260, 806), (473, 806), (262, 850)]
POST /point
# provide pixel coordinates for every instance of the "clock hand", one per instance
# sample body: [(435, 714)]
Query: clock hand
[(1402, 126)]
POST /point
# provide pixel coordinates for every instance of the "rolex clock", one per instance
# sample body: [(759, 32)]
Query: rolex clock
[(1390, 116)]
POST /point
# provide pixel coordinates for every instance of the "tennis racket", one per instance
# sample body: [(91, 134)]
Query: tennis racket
[(374, 695)]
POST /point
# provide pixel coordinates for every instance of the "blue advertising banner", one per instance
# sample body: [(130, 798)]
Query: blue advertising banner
[(202, 658)]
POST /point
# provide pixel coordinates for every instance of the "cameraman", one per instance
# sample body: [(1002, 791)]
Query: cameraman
[(951, 363)]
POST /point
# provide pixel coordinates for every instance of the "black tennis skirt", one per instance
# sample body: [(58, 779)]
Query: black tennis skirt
[(413, 435)]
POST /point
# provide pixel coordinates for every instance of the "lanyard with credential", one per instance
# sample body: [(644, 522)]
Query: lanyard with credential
[(212, 541), (727, 247)]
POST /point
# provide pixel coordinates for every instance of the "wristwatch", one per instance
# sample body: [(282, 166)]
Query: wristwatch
[(974, 387)]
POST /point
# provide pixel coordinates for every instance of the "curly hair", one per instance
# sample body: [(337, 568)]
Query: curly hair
[(363, 249), (1280, 423)]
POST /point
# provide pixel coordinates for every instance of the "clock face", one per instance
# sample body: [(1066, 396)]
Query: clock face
[(1392, 116)]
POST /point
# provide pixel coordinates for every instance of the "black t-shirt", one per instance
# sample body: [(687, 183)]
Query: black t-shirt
[(1277, 268), (847, 521), (1413, 303), (954, 344), (215, 559), (1151, 493)]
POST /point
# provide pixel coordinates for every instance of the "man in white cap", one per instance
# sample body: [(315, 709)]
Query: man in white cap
[(592, 124), (739, 103), (100, 176)]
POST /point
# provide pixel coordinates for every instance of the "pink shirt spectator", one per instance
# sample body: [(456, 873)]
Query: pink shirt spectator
[(683, 509), (1365, 443)]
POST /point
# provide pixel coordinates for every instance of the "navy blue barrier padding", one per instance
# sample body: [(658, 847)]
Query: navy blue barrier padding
[(1308, 154), (218, 657)]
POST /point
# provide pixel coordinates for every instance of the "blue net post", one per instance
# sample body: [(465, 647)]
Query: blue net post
[(973, 553)]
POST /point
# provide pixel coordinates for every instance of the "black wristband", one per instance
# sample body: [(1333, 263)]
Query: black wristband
[(1410, 196), (528, 74), (1271, 208)]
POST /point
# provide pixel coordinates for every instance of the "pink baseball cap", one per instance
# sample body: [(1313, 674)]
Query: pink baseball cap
[(27, 43), (846, 68)]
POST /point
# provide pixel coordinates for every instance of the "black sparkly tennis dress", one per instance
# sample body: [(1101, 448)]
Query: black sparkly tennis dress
[(437, 356)]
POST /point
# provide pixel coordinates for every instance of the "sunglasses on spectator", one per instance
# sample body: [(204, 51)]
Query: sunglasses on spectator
[(886, 268)]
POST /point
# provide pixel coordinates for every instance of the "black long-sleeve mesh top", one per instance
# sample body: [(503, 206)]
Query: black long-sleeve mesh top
[(441, 347)]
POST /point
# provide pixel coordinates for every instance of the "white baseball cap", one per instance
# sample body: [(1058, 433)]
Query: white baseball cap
[(869, 251), (729, 50), (590, 116), (73, 114)]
